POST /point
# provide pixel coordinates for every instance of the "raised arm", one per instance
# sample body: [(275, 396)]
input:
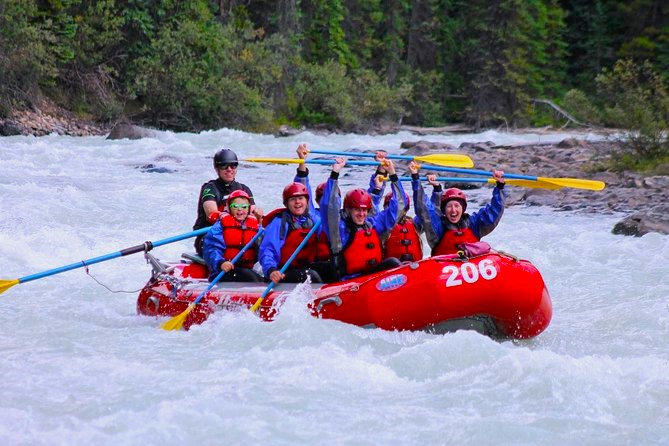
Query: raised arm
[(330, 207), (426, 214)]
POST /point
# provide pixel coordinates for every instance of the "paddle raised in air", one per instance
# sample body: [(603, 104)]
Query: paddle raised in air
[(548, 183), (521, 183), (440, 159)]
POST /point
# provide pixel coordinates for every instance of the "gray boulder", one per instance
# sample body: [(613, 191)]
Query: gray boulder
[(129, 131)]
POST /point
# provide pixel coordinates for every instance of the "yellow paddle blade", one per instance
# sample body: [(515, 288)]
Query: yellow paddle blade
[(447, 159), (575, 183), (275, 160), (7, 284), (256, 305), (532, 184), (177, 322)]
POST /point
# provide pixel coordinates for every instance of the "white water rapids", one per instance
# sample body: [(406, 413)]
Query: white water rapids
[(78, 366)]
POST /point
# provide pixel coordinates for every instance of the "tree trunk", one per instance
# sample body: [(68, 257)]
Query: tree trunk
[(420, 46), (287, 20)]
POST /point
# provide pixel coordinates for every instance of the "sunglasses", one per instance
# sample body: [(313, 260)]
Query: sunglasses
[(226, 165), (240, 206)]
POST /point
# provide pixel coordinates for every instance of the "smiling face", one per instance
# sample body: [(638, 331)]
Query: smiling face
[(297, 205), (358, 215), (453, 211), (239, 208), (227, 172)]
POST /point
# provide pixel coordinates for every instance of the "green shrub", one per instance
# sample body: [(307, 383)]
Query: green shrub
[(322, 94), (25, 61), (423, 106), (636, 100), (191, 81), (577, 104), (376, 101)]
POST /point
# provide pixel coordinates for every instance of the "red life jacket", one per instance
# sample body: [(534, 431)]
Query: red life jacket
[(293, 237), (452, 239), (404, 242), (363, 251), (236, 235)]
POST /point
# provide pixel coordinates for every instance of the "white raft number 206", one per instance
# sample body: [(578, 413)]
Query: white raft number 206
[(469, 272)]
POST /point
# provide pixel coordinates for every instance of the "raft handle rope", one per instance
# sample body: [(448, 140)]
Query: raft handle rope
[(105, 286), (158, 267)]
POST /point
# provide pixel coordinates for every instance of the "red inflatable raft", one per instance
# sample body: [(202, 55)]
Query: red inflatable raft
[(495, 294)]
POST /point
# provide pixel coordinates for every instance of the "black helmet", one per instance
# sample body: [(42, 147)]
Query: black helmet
[(225, 156)]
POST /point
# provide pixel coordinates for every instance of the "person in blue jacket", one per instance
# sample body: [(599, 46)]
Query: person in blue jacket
[(233, 230), (448, 228), (355, 235), (286, 227)]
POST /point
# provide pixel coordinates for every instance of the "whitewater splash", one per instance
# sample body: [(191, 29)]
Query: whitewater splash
[(80, 367)]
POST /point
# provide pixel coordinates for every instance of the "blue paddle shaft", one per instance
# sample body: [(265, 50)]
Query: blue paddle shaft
[(363, 154), (113, 255), (480, 172), (234, 260), (350, 162), (450, 179)]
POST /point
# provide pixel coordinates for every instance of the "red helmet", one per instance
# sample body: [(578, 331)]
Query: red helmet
[(238, 194), (319, 192), (235, 194), (320, 189), (294, 190), (386, 200), (357, 198), (454, 194)]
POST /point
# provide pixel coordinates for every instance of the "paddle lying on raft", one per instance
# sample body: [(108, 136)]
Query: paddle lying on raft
[(146, 246)]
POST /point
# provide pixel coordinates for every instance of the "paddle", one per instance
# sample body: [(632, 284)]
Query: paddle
[(465, 161), (511, 182), (558, 182), (285, 266), (440, 159), (177, 322), (146, 246)]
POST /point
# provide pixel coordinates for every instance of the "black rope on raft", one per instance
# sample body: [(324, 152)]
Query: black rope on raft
[(105, 286)]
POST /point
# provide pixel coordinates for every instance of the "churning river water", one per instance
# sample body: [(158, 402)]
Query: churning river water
[(78, 366)]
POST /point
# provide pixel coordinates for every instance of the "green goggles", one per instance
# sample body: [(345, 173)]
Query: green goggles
[(240, 206)]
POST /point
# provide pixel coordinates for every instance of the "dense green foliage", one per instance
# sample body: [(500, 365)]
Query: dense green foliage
[(252, 64)]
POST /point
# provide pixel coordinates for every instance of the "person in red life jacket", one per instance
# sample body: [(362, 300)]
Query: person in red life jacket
[(234, 230), (321, 263), (355, 235), (285, 228), (404, 241), (211, 201), (448, 227)]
